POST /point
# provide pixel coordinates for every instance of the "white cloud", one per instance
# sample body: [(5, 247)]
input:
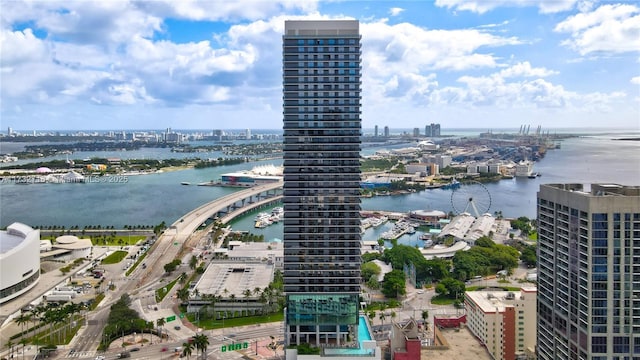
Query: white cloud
[(524, 69), (20, 47), (482, 6), (111, 22), (496, 91), (129, 61), (406, 47), (395, 11), (227, 10), (635, 80), (609, 29)]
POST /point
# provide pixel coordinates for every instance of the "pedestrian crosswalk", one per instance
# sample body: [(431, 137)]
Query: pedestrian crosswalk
[(81, 354)]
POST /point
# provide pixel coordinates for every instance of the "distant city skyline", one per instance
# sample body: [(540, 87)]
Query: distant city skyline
[(216, 65)]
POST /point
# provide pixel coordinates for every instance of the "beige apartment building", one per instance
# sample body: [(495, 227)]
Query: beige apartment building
[(504, 321)]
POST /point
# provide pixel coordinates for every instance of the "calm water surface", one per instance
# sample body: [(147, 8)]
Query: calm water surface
[(151, 199)]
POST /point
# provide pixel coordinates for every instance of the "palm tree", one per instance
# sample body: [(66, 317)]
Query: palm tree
[(247, 295), (160, 322), (213, 300), (187, 349), (23, 342), (232, 298), (10, 346), (35, 316), (382, 317), (148, 325), (23, 319), (264, 301), (201, 342), (183, 294), (371, 315), (425, 316)]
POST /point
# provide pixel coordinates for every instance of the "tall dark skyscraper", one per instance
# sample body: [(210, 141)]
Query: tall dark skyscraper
[(589, 272), (322, 128)]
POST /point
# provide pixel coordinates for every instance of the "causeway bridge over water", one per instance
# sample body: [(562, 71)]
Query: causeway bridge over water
[(230, 206)]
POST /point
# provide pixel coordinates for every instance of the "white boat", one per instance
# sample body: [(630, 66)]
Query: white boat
[(260, 224), (262, 216)]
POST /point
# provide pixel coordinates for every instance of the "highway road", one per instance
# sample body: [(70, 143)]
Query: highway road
[(164, 350), (141, 281)]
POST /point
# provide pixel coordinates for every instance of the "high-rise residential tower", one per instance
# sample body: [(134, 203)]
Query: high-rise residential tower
[(589, 272), (322, 128)]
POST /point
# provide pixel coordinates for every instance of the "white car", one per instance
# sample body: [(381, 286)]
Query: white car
[(99, 357), (420, 291)]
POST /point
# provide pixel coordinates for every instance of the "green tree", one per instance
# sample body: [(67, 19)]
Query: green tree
[(382, 316), (373, 283), (22, 319), (183, 294), (187, 349), (10, 346), (201, 343), (523, 224), (451, 288), (529, 256), (23, 342), (193, 262), (170, 267), (160, 323), (394, 284), (369, 269), (485, 241), (425, 316)]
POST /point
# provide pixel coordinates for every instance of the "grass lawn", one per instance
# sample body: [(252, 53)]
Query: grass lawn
[(161, 292), (135, 265), (103, 240), (442, 300), (233, 322), (44, 337), (97, 301), (533, 236), (118, 240), (115, 257)]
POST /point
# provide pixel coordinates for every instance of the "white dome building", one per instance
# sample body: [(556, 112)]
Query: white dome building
[(70, 247), (19, 260)]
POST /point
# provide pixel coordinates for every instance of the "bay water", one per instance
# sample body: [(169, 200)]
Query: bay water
[(151, 199)]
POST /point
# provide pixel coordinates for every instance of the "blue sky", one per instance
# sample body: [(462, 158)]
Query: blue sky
[(217, 64)]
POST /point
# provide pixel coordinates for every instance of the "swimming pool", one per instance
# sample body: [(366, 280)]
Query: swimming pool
[(363, 330), (363, 335)]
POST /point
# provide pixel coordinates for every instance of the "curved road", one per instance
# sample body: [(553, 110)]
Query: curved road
[(166, 248)]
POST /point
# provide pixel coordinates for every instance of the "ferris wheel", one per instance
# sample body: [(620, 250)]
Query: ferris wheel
[(471, 197)]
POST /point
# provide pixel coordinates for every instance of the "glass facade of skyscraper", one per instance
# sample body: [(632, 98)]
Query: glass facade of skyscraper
[(589, 272), (322, 128)]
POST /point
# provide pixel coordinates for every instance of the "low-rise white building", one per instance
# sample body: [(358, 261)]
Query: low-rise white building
[(270, 252), (466, 227), (504, 321), (67, 248), (236, 286)]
